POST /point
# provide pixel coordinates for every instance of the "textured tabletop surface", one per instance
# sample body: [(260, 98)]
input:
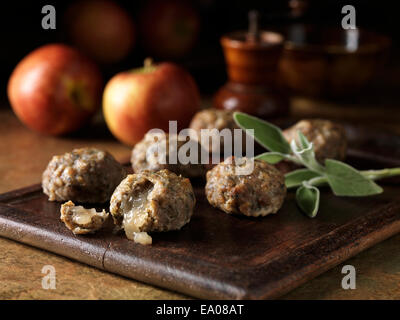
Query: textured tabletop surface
[(23, 157)]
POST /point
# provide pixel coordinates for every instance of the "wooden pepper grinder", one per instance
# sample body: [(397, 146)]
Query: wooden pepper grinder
[(252, 58)]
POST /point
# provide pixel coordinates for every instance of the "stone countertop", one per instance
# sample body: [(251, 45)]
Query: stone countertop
[(23, 157)]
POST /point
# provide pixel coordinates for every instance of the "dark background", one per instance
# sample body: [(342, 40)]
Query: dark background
[(21, 30)]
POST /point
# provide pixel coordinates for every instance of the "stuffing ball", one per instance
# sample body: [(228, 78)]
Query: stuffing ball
[(83, 175), (216, 119), (328, 138), (257, 194), (152, 201), (147, 153)]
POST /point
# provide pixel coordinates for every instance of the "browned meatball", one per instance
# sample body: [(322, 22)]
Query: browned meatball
[(215, 119), (328, 138), (152, 201), (80, 220), (145, 157), (83, 175), (258, 194)]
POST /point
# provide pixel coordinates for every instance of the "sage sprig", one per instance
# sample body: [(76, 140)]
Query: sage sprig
[(343, 179)]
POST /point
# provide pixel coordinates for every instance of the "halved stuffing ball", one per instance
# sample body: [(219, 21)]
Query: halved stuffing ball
[(146, 155), (80, 220), (83, 175), (329, 138), (256, 194), (152, 201)]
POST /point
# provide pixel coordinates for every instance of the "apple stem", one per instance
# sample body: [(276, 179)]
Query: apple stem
[(253, 32), (148, 62)]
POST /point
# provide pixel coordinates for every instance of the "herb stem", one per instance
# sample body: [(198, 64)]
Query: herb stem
[(294, 159), (318, 181), (370, 174), (379, 174)]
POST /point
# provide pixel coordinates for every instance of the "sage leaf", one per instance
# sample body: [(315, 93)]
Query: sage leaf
[(347, 181), (271, 157), (296, 177), (305, 154), (307, 198), (266, 134), (304, 143)]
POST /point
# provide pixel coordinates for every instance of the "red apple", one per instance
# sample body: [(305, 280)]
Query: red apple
[(141, 99), (169, 28), (101, 29), (55, 89)]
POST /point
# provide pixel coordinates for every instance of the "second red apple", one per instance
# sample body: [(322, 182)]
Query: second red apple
[(142, 99)]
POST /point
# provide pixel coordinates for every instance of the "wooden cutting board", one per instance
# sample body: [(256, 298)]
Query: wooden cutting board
[(221, 256)]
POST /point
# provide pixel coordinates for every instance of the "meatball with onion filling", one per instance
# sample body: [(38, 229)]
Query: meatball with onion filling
[(80, 220), (259, 193), (216, 119), (83, 175), (161, 151), (152, 201), (328, 138)]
